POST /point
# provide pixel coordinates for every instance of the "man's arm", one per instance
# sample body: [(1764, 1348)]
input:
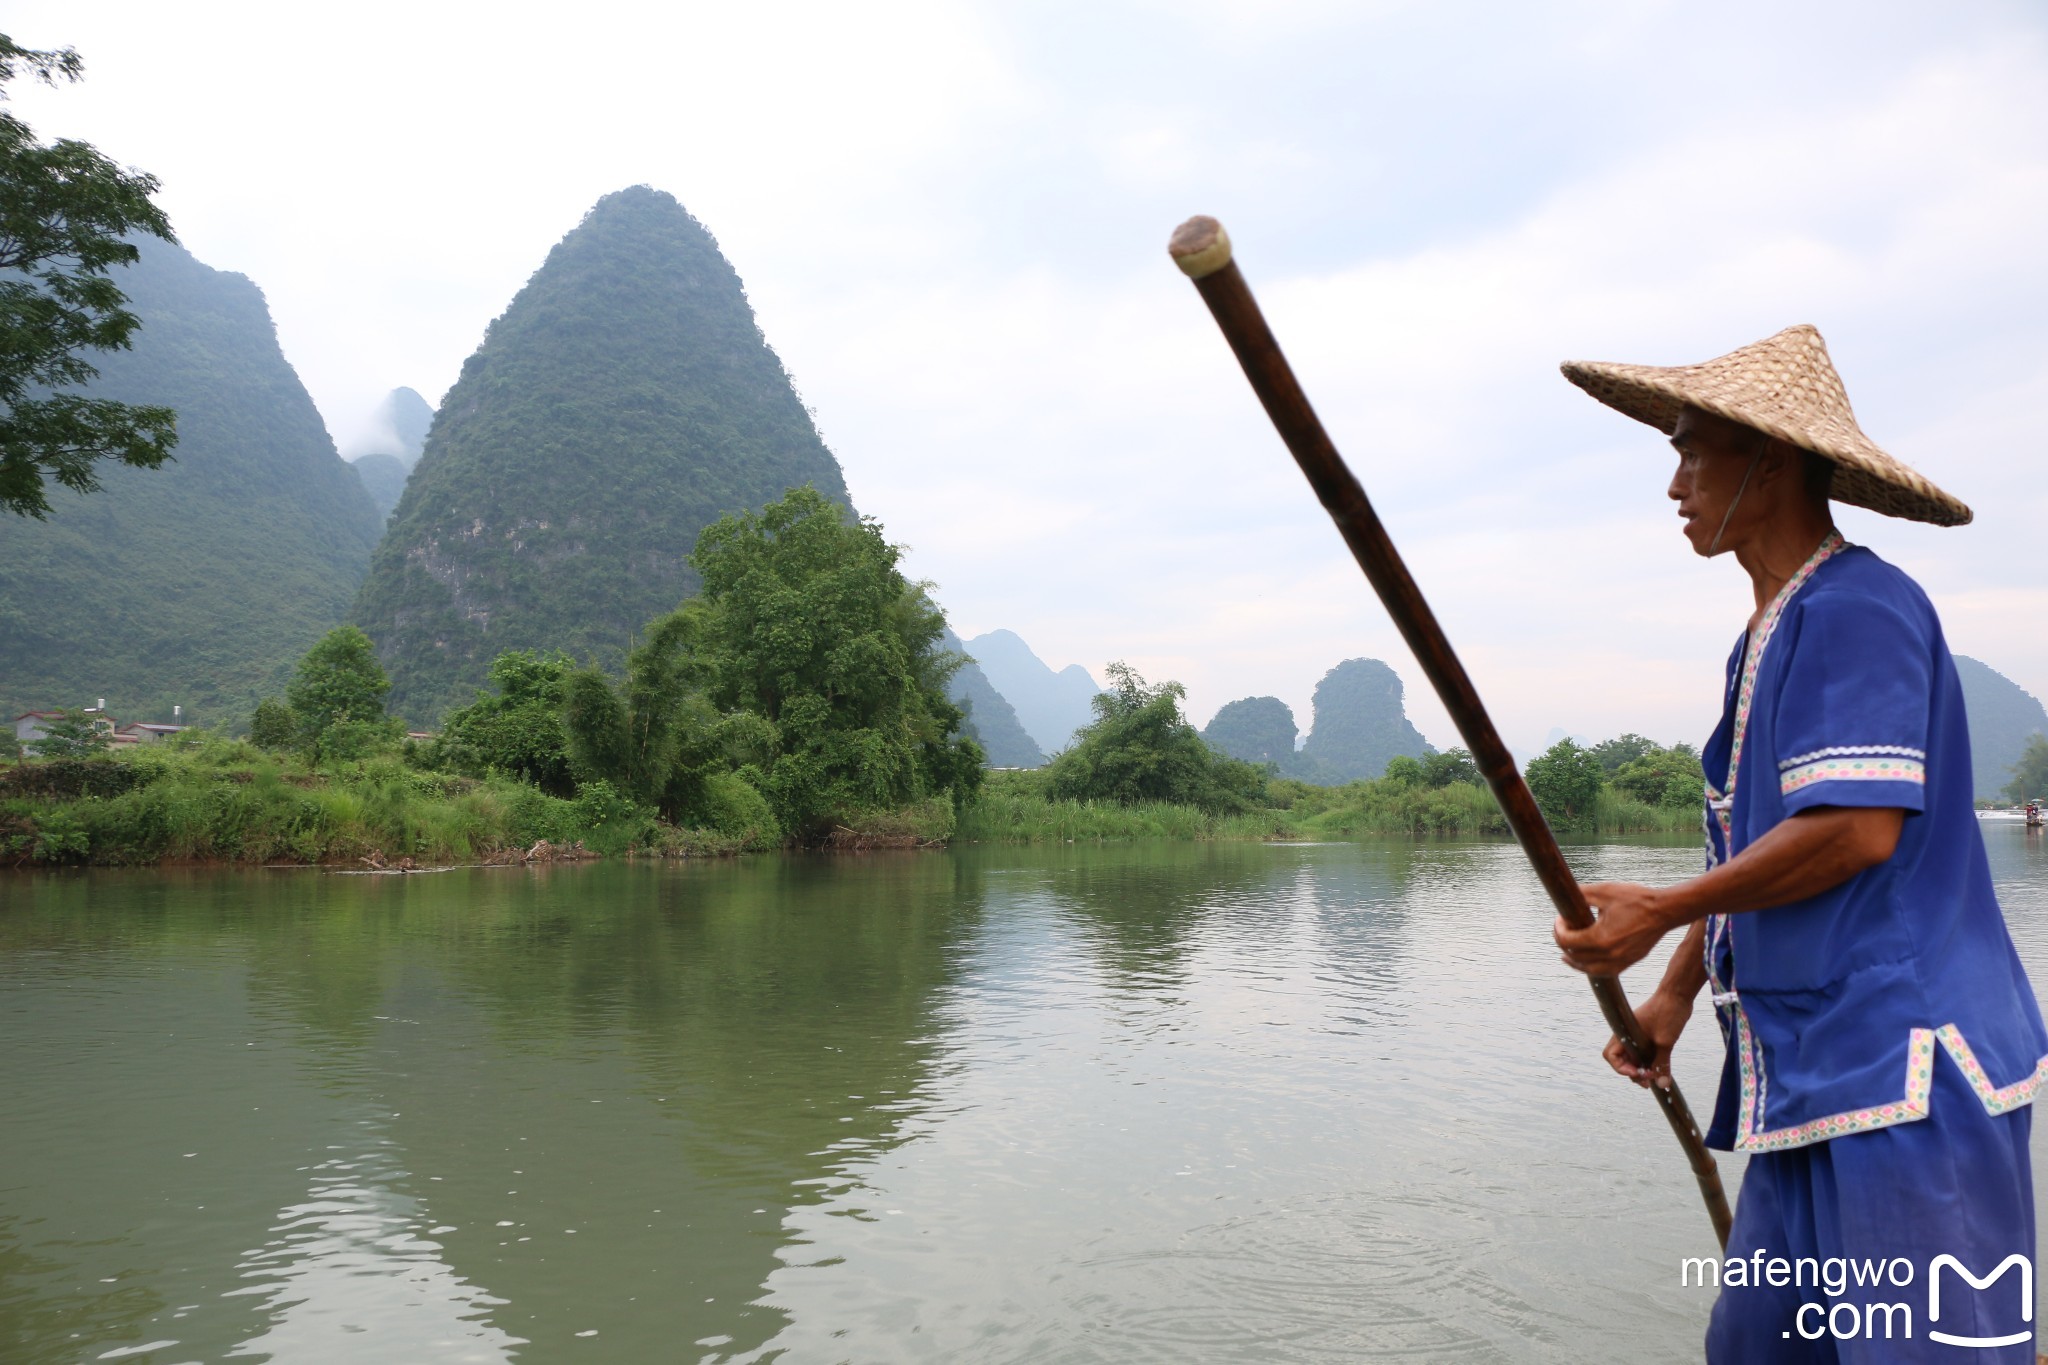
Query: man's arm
[(1800, 857)]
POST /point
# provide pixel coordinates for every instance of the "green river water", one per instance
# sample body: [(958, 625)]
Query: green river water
[(1216, 1102)]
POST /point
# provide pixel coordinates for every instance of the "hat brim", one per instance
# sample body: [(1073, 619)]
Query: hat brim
[(1865, 476)]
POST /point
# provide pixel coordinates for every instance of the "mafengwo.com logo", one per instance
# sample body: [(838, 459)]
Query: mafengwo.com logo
[(1872, 1299)]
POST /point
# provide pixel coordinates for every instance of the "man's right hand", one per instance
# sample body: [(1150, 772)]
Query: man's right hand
[(1663, 1017)]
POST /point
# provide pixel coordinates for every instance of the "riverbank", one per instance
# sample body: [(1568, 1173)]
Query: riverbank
[(1013, 808), (223, 801)]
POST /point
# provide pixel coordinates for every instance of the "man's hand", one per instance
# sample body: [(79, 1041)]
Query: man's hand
[(1630, 921), (1663, 1017)]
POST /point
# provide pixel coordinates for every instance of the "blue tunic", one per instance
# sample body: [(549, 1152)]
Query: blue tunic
[(1833, 1007)]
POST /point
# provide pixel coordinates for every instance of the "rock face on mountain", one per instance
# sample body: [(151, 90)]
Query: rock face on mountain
[(991, 720), (2003, 715), (200, 583), (624, 400), (1360, 723), (1255, 729), (1051, 706)]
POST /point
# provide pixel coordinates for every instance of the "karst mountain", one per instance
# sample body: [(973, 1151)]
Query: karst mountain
[(623, 401), (201, 583)]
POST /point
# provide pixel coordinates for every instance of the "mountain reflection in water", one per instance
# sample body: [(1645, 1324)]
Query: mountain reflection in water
[(1154, 1102)]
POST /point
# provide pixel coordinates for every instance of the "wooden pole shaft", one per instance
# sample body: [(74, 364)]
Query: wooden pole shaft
[(1244, 327)]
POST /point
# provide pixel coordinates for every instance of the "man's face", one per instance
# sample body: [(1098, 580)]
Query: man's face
[(1713, 456)]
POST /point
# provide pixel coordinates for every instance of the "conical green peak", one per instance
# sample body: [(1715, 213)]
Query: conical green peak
[(623, 401)]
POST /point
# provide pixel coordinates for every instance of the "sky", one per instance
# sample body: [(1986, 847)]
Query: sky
[(951, 220)]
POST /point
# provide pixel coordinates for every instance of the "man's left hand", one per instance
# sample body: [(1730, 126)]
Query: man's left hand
[(1627, 925)]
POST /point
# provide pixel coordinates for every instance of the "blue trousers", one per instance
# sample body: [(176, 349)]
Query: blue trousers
[(1957, 1183)]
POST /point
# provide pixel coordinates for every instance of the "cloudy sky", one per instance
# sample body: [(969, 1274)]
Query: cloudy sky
[(951, 220)]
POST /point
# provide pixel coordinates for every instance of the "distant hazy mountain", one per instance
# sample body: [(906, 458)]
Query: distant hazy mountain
[(2002, 715), (1050, 705), (991, 720), (1255, 729), (1361, 721), (383, 479), (200, 583), (625, 400), (407, 417)]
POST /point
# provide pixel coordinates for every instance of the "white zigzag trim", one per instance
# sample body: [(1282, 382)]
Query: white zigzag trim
[(1853, 751)]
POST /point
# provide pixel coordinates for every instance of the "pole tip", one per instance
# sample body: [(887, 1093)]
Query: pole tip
[(1200, 246)]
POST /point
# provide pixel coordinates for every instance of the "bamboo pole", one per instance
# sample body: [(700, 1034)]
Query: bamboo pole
[(1202, 250)]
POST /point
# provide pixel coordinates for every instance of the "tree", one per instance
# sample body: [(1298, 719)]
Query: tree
[(1622, 749), (1255, 729), (1565, 780), (658, 739), (273, 726), (2030, 774), (338, 695), (66, 213), (1140, 747), (519, 730), (74, 734), (1663, 777), (1452, 765), (808, 624)]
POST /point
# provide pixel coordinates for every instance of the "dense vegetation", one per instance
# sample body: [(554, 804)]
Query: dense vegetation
[(66, 216), (198, 583), (1140, 748), (623, 402), (383, 478)]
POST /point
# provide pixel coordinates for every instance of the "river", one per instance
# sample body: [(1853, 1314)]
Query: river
[(1162, 1102)]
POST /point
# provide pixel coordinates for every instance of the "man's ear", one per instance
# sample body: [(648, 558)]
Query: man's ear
[(1780, 460)]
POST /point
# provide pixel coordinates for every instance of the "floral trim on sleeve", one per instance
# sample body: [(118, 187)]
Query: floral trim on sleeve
[(1877, 766)]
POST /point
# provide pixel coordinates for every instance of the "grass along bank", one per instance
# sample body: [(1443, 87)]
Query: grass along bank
[(1016, 807), (206, 799), (203, 798)]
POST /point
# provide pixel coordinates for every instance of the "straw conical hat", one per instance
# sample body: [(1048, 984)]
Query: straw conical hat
[(1784, 386)]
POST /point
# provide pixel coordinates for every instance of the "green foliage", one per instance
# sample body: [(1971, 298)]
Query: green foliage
[(202, 582), (338, 696), (1452, 765), (624, 401), (807, 624), (1566, 781), (1662, 777), (611, 820), (1256, 730), (69, 778), (66, 212), (74, 734), (2030, 774), (1613, 754), (1405, 770), (1141, 748), (273, 725), (519, 731)]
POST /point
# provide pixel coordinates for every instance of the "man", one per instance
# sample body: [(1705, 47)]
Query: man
[(1883, 1045)]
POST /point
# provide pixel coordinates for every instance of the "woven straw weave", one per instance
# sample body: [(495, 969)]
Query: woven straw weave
[(1784, 386)]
